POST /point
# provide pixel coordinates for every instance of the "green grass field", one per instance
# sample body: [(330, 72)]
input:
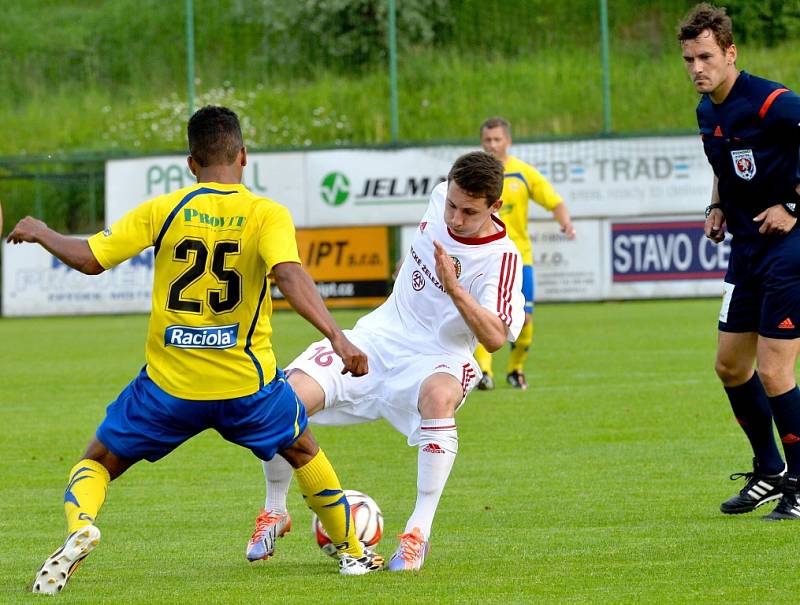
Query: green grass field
[(600, 484)]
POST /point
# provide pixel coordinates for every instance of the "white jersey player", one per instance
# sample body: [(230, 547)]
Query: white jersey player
[(460, 284)]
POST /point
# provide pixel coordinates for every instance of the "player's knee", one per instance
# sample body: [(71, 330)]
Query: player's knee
[(97, 451), (301, 451), (439, 396), (307, 390), (732, 373), (438, 403)]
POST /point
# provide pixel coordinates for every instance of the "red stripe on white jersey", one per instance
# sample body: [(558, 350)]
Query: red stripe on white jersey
[(508, 272), (500, 284), (509, 291)]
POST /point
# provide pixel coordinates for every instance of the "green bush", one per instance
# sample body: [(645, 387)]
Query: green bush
[(767, 22)]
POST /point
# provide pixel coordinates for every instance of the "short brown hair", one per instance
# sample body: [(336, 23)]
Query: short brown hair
[(478, 174), (704, 17), (496, 122), (215, 136)]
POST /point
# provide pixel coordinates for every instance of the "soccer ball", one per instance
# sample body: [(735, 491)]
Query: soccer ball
[(367, 517)]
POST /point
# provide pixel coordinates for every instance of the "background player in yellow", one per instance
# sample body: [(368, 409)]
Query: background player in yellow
[(209, 357), (521, 183)]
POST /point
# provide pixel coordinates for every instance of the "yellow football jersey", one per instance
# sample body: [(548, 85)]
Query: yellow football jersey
[(214, 244), (522, 182)]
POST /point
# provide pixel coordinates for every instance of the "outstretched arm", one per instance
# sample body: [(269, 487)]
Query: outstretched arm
[(487, 327), (72, 251), (561, 214), (299, 289)]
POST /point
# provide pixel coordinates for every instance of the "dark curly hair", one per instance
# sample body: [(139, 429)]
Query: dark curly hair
[(215, 136)]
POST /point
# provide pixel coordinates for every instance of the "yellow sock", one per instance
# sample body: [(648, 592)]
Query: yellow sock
[(519, 350), (85, 493), (484, 359), (324, 495)]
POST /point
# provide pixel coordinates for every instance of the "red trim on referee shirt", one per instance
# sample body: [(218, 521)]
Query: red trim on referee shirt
[(772, 96), (476, 241)]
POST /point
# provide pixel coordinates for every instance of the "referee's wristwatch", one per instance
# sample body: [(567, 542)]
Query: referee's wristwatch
[(792, 206), (713, 206)]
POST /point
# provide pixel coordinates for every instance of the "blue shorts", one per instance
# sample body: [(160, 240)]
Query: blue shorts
[(763, 294), (528, 287), (145, 422)]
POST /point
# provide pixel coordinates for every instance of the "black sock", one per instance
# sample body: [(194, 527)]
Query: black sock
[(753, 412), (786, 409)]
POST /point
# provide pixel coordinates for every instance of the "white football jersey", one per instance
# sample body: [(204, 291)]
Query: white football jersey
[(419, 315)]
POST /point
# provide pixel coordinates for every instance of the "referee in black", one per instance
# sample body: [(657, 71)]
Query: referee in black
[(751, 135)]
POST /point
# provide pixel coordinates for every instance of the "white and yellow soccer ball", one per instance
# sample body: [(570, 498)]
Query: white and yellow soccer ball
[(367, 517)]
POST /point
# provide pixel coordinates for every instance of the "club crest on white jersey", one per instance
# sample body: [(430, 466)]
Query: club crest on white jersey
[(457, 265), (421, 315)]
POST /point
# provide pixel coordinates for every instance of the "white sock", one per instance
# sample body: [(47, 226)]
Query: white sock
[(278, 475), (437, 439)]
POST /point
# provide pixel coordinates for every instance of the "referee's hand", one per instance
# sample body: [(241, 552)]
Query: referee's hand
[(715, 226), (775, 221)]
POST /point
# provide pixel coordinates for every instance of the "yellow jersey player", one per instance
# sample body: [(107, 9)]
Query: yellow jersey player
[(209, 359), (522, 182)]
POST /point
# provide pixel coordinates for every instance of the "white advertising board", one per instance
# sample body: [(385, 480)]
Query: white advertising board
[(360, 187), (36, 283), (567, 269), (598, 178), (624, 177), (279, 176)]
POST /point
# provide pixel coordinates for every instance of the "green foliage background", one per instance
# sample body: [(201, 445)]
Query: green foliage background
[(83, 80)]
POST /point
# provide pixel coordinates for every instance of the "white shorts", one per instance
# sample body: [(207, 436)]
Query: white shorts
[(391, 388)]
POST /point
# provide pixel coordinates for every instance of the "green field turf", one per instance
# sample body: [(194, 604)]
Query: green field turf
[(600, 484)]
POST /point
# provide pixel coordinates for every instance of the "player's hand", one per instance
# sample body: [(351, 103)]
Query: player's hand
[(714, 227), (775, 221), (27, 230), (354, 359), (445, 268), (568, 230)]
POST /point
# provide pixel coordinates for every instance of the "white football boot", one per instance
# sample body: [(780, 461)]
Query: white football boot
[(59, 567), (352, 566)]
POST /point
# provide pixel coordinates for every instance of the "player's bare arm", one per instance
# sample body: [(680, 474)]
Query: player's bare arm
[(561, 214), (714, 227), (487, 327), (72, 251), (299, 289)]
